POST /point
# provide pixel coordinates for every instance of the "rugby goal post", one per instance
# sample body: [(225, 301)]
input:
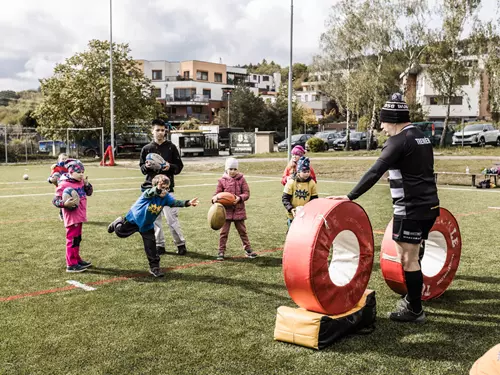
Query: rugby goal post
[(68, 145)]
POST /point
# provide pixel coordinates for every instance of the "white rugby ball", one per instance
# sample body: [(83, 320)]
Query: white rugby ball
[(26, 177), (70, 193), (156, 161)]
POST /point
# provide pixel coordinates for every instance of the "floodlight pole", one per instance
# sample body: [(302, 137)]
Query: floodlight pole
[(290, 77), (111, 95)]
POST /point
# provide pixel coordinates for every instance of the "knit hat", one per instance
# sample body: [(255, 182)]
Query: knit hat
[(298, 150), (231, 163), (303, 164), (395, 111), (74, 166)]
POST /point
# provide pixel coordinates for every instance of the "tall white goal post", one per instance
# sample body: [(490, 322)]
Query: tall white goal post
[(68, 148)]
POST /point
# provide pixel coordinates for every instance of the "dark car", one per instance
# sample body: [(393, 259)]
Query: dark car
[(297, 140), (328, 138), (434, 130), (357, 142)]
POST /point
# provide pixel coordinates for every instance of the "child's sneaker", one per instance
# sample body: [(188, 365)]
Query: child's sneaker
[(75, 268), (405, 315), (84, 264), (111, 227), (250, 254), (181, 250), (156, 272), (220, 257)]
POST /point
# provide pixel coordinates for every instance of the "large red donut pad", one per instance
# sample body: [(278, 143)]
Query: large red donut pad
[(436, 284), (306, 252)]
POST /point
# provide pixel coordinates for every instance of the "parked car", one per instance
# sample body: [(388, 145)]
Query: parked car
[(297, 140), (477, 135), (357, 141), (434, 130), (328, 138)]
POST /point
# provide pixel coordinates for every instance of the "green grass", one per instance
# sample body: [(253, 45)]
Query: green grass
[(218, 318)]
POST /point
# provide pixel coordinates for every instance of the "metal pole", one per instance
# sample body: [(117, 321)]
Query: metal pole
[(67, 143), (26, 150), (228, 107), (111, 95), (289, 141), (102, 145), (6, 145)]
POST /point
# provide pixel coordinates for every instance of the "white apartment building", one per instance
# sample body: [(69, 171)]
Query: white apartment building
[(264, 82), (312, 97)]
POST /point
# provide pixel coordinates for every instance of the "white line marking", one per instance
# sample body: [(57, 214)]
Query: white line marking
[(78, 284), (126, 189), (495, 208)]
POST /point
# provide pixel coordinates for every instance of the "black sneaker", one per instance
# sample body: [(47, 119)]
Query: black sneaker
[(111, 227), (407, 316), (250, 254), (76, 268), (84, 264), (220, 257), (160, 250), (156, 272), (181, 250)]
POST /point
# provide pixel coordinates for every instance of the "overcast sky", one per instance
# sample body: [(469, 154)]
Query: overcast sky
[(35, 35)]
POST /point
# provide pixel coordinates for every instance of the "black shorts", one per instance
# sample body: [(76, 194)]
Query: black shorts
[(411, 231)]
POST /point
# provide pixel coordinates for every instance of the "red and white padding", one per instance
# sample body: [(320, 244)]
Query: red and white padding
[(440, 261), (328, 256)]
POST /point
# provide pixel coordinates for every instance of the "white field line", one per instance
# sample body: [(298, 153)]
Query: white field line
[(113, 190), (78, 284), (494, 208)]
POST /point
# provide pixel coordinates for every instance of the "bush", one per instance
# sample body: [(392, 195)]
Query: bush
[(381, 138), (315, 144)]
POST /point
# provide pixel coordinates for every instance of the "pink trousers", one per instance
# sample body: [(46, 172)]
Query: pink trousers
[(242, 231), (73, 239)]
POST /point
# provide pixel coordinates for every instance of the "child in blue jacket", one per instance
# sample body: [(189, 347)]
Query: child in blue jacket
[(142, 215)]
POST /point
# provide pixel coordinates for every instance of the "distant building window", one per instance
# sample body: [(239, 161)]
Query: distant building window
[(254, 77), (463, 80), (267, 87), (196, 109), (218, 77), (265, 79), (157, 75), (201, 75), (306, 98), (174, 110), (439, 100), (435, 100), (186, 74), (207, 93), (456, 100), (184, 94), (156, 93)]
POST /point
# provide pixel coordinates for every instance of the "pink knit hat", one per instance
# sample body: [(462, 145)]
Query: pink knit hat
[(298, 150)]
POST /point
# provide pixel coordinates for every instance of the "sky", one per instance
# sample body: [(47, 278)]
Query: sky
[(36, 35)]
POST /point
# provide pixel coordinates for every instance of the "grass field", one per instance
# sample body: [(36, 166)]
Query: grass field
[(206, 317)]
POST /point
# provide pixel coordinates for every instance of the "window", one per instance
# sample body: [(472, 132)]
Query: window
[(439, 100), (267, 87), (157, 75), (435, 100), (259, 79), (306, 98), (201, 75), (218, 77), (463, 80), (186, 74), (207, 93), (456, 100), (197, 110), (184, 94), (254, 77), (265, 79), (156, 93), (174, 110)]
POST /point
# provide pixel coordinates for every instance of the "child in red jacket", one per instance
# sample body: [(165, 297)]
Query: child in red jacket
[(291, 169), (233, 182)]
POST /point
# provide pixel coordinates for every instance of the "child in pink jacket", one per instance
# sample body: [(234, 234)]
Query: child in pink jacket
[(233, 182), (74, 213)]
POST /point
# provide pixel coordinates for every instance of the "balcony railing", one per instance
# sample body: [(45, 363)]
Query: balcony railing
[(177, 78), (202, 117), (197, 98)]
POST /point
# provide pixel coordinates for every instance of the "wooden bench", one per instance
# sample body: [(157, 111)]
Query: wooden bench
[(471, 175)]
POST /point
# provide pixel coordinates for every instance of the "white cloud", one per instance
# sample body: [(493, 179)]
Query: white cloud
[(38, 34)]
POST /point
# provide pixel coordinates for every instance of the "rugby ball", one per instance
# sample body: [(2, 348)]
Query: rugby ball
[(225, 198), (25, 177), (70, 193), (216, 216), (156, 161)]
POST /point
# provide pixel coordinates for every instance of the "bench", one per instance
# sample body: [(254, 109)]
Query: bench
[(471, 175)]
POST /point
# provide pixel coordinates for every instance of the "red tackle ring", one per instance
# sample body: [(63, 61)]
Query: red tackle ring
[(315, 282), (440, 261)]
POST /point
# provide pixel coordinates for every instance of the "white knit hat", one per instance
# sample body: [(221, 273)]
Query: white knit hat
[(231, 163)]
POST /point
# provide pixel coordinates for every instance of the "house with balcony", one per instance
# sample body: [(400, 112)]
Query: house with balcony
[(311, 96), (469, 105), (264, 82)]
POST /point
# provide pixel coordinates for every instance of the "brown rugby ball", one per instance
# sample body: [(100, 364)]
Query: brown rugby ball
[(225, 198), (216, 216)]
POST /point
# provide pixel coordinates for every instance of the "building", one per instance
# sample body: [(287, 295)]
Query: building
[(470, 105), (193, 89), (312, 97), (264, 82)]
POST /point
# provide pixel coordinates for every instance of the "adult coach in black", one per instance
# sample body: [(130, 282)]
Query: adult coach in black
[(408, 156), (169, 152)]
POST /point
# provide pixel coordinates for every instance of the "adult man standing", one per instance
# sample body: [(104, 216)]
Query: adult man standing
[(169, 152), (408, 156)]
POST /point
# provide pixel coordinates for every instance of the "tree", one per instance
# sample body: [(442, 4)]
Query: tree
[(20, 110), (78, 93), (277, 112), (308, 116), (7, 96), (245, 109), (448, 55)]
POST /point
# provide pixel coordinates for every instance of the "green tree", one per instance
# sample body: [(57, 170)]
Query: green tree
[(245, 109), (277, 112), (448, 55), (78, 93), (7, 96)]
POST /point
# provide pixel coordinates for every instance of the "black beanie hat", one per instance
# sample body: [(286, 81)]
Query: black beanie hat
[(395, 111)]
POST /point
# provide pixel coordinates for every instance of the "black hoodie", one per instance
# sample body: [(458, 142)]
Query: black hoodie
[(167, 151)]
